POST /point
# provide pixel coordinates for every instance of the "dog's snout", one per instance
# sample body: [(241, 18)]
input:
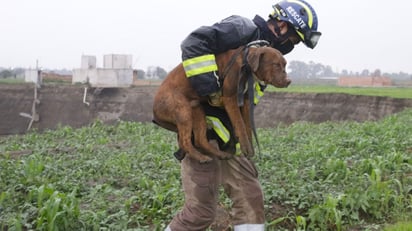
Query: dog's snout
[(281, 80), (288, 82)]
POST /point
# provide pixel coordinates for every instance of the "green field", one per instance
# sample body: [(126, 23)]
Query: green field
[(328, 176), (394, 92)]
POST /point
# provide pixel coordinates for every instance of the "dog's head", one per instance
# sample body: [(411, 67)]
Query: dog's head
[(269, 66)]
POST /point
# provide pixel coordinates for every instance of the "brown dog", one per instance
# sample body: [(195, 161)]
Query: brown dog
[(177, 105)]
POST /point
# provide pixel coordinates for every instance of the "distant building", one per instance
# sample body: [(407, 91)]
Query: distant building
[(367, 81), (117, 71), (152, 73)]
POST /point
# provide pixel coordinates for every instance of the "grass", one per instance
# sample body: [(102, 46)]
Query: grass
[(394, 92), (12, 81), (328, 176), (401, 226)]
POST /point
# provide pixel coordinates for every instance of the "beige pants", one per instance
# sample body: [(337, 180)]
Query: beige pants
[(201, 182)]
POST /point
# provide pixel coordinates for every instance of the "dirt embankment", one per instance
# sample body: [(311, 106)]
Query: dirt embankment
[(290, 107), (69, 105)]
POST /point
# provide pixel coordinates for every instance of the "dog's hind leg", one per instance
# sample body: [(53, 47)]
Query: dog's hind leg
[(175, 114), (200, 138), (239, 126), (184, 126)]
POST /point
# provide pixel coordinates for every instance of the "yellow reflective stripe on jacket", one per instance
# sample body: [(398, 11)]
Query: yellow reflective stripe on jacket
[(258, 93), (219, 128), (200, 65)]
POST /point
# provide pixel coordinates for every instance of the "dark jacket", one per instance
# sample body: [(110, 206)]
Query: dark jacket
[(230, 33)]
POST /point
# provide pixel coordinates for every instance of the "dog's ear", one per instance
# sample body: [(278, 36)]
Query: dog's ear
[(254, 58)]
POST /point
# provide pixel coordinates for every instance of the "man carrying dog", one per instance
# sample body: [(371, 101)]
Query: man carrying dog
[(291, 22)]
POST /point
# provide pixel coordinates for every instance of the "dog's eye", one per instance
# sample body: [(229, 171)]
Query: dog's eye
[(277, 65)]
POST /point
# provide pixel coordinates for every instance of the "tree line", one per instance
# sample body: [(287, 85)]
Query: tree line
[(296, 69), (310, 70)]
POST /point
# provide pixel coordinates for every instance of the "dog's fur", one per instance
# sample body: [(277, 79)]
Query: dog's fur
[(177, 106)]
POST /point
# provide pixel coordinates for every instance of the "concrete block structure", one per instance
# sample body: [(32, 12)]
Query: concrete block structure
[(33, 76), (117, 71), (101, 77), (88, 62), (117, 61)]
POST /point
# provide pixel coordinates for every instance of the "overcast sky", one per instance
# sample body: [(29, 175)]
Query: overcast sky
[(357, 34)]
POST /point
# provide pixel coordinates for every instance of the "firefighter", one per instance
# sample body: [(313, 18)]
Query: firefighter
[(291, 22)]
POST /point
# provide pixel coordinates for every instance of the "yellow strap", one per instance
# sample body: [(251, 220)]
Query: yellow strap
[(200, 65), (258, 93), (238, 151)]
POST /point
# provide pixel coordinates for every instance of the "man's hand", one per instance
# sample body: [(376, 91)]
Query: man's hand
[(215, 99)]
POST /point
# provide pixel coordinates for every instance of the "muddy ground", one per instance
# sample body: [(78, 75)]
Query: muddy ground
[(69, 105)]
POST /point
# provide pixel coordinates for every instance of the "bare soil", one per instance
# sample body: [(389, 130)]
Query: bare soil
[(61, 105)]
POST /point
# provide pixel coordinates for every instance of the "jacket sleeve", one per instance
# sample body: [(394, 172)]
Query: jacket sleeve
[(227, 34), (201, 46)]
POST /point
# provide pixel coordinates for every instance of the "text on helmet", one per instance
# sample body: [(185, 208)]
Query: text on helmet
[(297, 17)]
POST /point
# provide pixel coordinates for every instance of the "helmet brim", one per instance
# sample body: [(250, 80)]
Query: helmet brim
[(312, 38)]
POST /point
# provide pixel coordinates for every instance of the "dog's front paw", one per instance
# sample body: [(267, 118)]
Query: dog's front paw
[(204, 159), (247, 150), (250, 155), (225, 155)]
